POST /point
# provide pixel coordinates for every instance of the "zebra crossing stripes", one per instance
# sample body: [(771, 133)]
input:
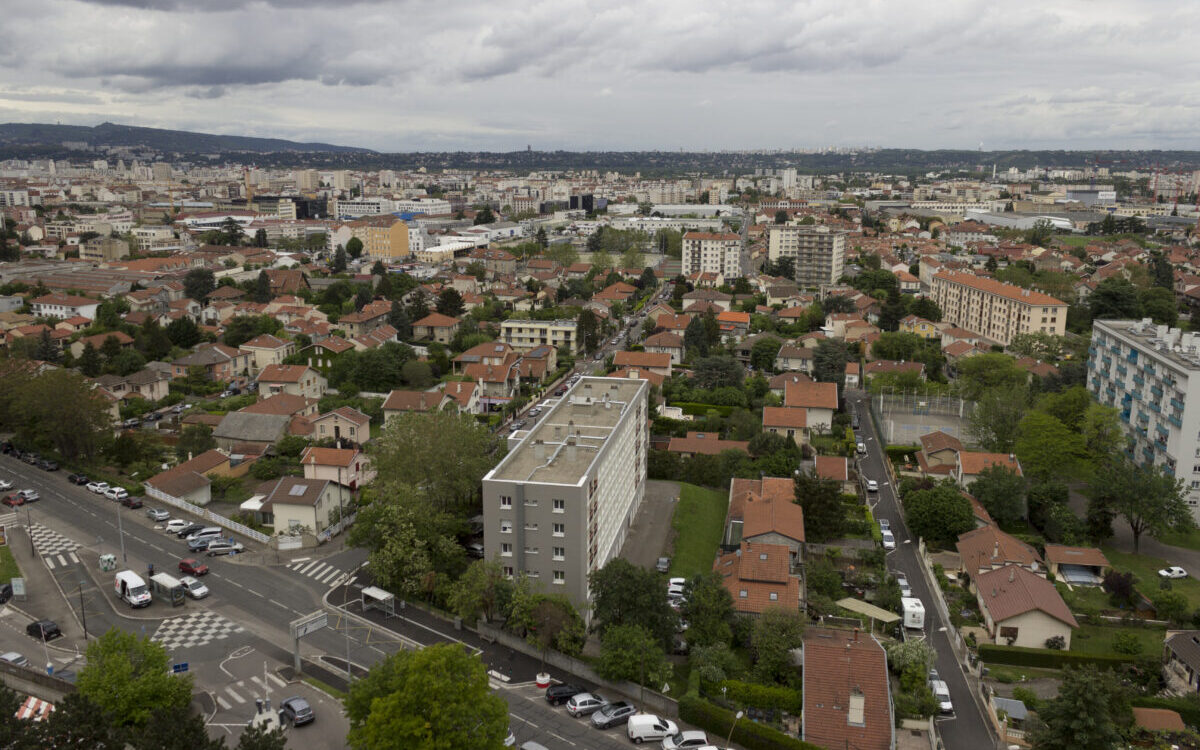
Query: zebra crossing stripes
[(56, 550), (230, 696), (317, 570), (61, 561)]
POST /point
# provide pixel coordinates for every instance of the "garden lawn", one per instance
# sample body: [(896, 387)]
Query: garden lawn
[(698, 522), (8, 566), (1146, 569), (1084, 599), (1098, 639)]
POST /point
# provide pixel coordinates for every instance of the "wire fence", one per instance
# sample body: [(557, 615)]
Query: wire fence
[(904, 416)]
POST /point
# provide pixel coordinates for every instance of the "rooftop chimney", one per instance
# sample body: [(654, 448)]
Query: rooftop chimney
[(1012, 575), (996, 550)]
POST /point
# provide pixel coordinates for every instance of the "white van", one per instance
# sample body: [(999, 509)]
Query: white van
[(131, 589), (643, 727)]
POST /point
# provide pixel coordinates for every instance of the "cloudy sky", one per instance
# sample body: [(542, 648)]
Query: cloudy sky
[(402, 75)]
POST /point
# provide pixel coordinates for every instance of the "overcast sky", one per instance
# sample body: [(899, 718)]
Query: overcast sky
[(692, 74)]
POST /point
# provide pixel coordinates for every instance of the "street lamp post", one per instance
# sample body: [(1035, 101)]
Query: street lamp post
[(83, 612), (739, 715), (121, 533), (29, 528)]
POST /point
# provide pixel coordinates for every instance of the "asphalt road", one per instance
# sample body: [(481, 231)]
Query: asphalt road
[(967, 727)]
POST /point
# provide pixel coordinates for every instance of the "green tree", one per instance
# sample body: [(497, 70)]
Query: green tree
[(694, 340), (1040, 233), (58, 407), (231, 233), (409, 539), (717, 372), (484, 216), (450, 302), (773, 636), (1002, 492), (482, 591), (546, 621), (829, 362), (199, 283), (624, 594), (261, 738), (338, 264), (183, 332), (445, 453), (763, 353), (194, 439), (923, 307), (128, 677), (630, 652), (824, 518), (46, 349), (152, 341), (1101, 431), (1115, 298), (435, 698), (1148, 498), (1047, 448), (939, 514), (996, 418), (588, 330), (416, 374), (75, 722), (260, 238), (1091, 710), (1159, 305), (983, 372), (541, 238), (262, 288), (354, 248), (89, 361), (781, 217), (1068, 406), (894, 310), (708, 610)]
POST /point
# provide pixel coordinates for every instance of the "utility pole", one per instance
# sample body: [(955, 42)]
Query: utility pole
[(83, 612), (121, 533)]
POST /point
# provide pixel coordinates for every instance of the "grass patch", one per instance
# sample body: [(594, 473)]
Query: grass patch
[(1146, 569), (1010, 674), (1187, 540), (698, 522), (8, 566), (1087, 600), (325, 687), (1098, 639)]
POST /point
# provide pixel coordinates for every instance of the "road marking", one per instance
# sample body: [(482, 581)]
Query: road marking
[(304, 571), (560, 737), (73, 558), (317, 571), (223, 703), (276, 679), (233, 694), (49, 562), (277, 604), (261, 683), (62, 560), (299, 560), (333, 573), (252, 591)]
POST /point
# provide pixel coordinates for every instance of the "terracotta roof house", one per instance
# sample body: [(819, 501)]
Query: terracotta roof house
[(638, 374), (285, 404), (765, 511), (1158, 719), (972, 463), (788, 421), (836, 468), (348, 467), (707, 443), (658, 362), (399, 402), (124, 341), (189, 481), (760, 576), (218, 361), (939, 453), (295, 504), (793, 358), (853, 378), (988, 548), (847, 695), (436, 327), (64, 306), (286, 281), (487, 353), (1021, 608), (1077, 565), (344, 423), (666, 342), (820, 399), (893, 367), (268, 350), (1181, 661)]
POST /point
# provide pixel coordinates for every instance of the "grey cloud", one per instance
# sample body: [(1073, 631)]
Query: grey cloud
[(216, 6)]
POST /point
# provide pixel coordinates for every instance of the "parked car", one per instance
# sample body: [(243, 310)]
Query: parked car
[(613, 714), (193, 587), (1173, 572), (77, 478), (689, 738), (889, 540), (47, 465), (188, 529), (175, 525), (129, 501), (12, 657), (902, 582), (222, 547), (556, 695), (116, 493), (29, 496), (663, 565), (872, 485), (941, 693), (585, 704), (297, 711), (193, 567), (13, 501), (5, 592), (5, 485), (885, 525), (200, 543), (861, 449), (157, 514), (130, 424), (98, 487), (44, 630)]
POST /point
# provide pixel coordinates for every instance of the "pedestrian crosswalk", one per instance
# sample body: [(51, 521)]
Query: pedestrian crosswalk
[(61, 561), (258, 688), (57, 550), (318, 571)]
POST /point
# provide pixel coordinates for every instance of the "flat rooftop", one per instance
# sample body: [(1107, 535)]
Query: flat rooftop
[(1177, 347), (561, 447)]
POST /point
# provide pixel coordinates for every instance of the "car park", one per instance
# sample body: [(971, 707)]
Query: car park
[(44, 630), (98, 487), (648, 727), (297, 711), (116, 493), (585, 704), (193, 588), (192, 567), (31, 458), (157, 514), (861, 449), (1173, 572), (12, 657), (556, 695), (188, 530), (941, 693), (47, 465), (690, 738), (222, 547), (885, 525), (130, 424), (199, 544), (77, 478), (889, 541), (5, 592), (29, 496), (902, 582), (613, 714)]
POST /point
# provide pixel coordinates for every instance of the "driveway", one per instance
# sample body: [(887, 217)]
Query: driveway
[(650, 537), (1122, 539)]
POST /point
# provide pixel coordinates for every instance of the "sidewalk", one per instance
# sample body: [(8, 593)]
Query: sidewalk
[(44, 599)]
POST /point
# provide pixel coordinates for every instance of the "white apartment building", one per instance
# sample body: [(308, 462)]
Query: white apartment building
[(1151, 375), (707, 252), (360, 206), (11, 198), (819, 253), (560, 504), (430, 206), (996, 310), (524, 335)]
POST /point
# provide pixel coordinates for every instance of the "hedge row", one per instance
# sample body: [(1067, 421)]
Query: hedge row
[(876, 534), (702, 410), (1047, 658), (766, 697), (899, 452), (749, 734), (1188, 708)]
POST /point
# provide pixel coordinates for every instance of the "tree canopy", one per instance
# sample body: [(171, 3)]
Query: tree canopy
[(129, 678)]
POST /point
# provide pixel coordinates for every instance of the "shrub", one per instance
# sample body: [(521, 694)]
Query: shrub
[(766, 697), (1056, 643), (750, 735), (1019, 656), (1026, 696), (1124, 642)]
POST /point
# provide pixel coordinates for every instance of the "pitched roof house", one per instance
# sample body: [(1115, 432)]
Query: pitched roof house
[(847, 696), (1020, 608), (760, 576)]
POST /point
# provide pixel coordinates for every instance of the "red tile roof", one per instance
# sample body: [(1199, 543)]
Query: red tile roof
[(1013, 590), (810, 395), (709, 443), (833, 467), (757, 576), (839, 664), (988, 547), (659, 360), (999, 288), (1061, 554), (282, 373), (785, 416), (974, 462)]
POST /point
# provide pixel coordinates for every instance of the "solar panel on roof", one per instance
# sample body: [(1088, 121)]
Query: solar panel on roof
[(297, 490)]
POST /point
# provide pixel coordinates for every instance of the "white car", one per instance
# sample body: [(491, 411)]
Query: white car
[(1173, 572), (889, 540), (902, 582), (5, 484), (193, 587), (116, 493), (98, 487), (691, 738), (885, 525), (872, 485), (175, 525)]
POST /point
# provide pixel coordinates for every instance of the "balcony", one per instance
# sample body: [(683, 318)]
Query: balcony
[(1125, 416), (1162, 430), (1177, 404), (1148, 453), (1175, 421), (1154, 407), (1122, 370), (1106, 360), (1139, 379), (1137, 395), (1132, 356), (1093, 350), (1156, 390)]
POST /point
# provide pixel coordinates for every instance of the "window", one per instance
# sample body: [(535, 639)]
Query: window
[(531, 527), (1007, 632), (506, 527), (560, 576), (505, 501), (774, 596), (508, 571), (560, 553), (506, 550), (743, 594), (560, 506), (531, 550), (560, 529)]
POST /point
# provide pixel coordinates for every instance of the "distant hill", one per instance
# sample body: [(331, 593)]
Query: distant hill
[(18, 134)]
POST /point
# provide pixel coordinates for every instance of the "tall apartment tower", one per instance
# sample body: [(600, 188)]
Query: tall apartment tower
[(307, 179), (997, 310), (1151, 375), (707, 252), (819, 253), (559, 505)]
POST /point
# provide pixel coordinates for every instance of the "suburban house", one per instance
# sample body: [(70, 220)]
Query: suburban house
[(64, 306), (847, 696), (295, 504), (343, 423), (759, 576), (1021, 608), (436, 327), (707, 443), (1084, 566), (399, 402), (268, 350), (297, 380), (151, 383), (487, 353), (765, 510), (666, 342), (124, 341), (242, 432), (656, 362), (836, 468), (973, 463), (283, 404), (788, 421), (348, 467), (924, 328), (939, 453), (794, 358), (189, 481), (321, 355), (218, 361), (988, 548), (1181, 661), (819, 399)]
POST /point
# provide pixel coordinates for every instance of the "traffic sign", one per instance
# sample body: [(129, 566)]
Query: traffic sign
[(309, 624), (178, 668)]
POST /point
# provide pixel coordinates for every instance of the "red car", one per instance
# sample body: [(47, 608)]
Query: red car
[(13, 500), (192, 567)]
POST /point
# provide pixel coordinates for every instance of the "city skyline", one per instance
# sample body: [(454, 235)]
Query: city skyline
[(398, 77)]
